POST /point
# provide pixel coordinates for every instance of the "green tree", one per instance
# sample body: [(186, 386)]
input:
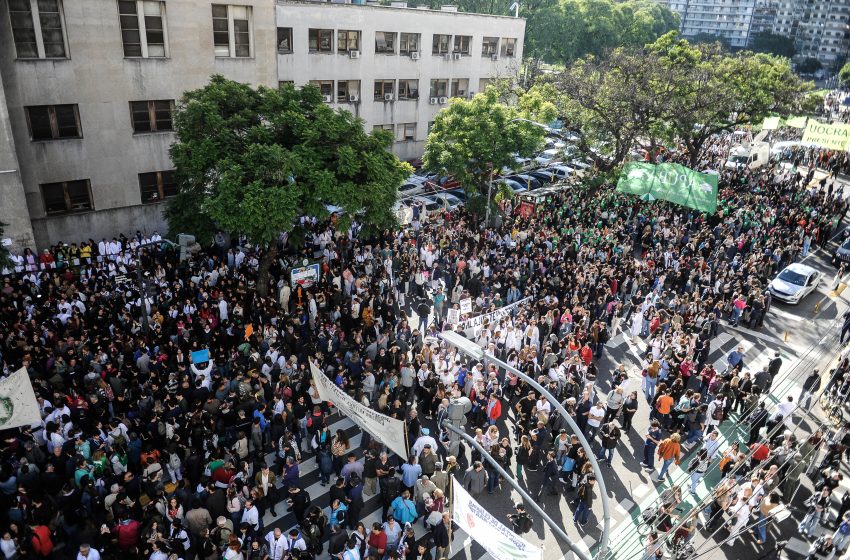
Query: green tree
[(844, 74), (252, 161), (770, 43), (564, 31), (714, 91), (709, 38), (809, 66), (471, 139)]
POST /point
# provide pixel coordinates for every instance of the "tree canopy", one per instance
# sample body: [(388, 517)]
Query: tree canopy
[(566, 30), (471, 138), (672, 90), (844, 74), (770, 43), (252, 161)]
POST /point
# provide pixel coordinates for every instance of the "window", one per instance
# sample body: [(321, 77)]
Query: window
[(460, 87), (37, 28), (346, 90), (152, 116), (385, 42), (490, 46), (383, 87), (347, 41), (157, 185), (66, 197), (53, 122), (321, 40), (439, 88), (508, 47), (388, 127), (408, 43), (462, 44), (231, 30), (326, 87), (440, 44), (284, 40), (406, 132), (408, 89), (142, 28)]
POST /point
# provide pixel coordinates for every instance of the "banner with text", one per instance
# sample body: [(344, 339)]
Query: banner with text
[(388, 431), (500, 541), (831, 136), (18, 406), (671, 182), (473, 324)]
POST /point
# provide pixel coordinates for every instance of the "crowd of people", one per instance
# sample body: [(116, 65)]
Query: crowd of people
[(142, 452)]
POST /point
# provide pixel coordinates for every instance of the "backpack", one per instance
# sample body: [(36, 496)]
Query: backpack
[(718, 413)]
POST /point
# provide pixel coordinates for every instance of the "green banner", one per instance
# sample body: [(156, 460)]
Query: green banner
[(671, 182), (831, 136)]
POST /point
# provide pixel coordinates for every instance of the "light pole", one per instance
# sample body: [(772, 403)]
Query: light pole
[(476, 352)]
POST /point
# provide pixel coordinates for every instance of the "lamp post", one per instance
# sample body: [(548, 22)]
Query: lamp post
[(474, 351)]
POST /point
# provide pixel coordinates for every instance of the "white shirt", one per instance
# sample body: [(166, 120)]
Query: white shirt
[(251, 517), (93, 555), (597, 410), (276, 546)]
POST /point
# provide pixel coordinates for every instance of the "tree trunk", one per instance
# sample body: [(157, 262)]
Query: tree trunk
[(265, 263)]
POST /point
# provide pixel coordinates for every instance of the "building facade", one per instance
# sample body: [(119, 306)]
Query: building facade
[(823, 31), (729, 19), (89, 86)]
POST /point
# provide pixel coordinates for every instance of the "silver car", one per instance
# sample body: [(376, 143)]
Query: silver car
[(795, 282)]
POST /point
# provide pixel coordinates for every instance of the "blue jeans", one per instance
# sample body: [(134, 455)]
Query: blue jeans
[(649, 454), (809, 523), (693, 435), (582, 513), (695, 478), (602, 455), (649, 388), (492, 481), (761, 527), (664, 467)]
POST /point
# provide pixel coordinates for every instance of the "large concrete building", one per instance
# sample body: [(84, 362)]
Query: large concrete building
[(87, 88), (729, 19)]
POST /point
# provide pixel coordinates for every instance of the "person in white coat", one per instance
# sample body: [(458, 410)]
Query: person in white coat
[(637, 325)]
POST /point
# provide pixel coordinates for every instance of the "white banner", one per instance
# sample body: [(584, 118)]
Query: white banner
[(388, 431), (18, 406), (304, 275), (453, 316), (474, 323), (500, 541), (466, 306)]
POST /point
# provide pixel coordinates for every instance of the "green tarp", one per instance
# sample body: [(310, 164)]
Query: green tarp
[(672, 182)]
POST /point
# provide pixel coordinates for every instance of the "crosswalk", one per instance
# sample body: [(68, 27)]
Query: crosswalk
[(309, 481)]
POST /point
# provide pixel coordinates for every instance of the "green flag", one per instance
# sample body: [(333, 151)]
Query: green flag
[(672, 182)]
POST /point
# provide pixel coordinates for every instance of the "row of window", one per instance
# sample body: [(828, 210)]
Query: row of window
[(67, 197), (347, 91), (38, 29), (58, 122), (392, 42), (38, 32)]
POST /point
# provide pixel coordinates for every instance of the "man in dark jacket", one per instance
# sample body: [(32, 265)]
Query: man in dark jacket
[(758, 420), (810, 386), (585, 501), (550, 476), (390, 489)]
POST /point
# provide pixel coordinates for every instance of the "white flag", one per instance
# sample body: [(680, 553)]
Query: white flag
[(487, 531), (18, 406)]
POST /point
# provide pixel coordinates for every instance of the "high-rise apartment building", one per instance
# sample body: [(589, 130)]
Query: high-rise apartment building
[(730, 19), (87, 90)]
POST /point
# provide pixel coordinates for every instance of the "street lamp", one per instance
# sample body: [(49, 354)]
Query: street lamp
[(475, 352), (490, 178)]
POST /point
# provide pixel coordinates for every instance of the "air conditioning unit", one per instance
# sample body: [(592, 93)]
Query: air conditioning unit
[(494, 56), (354, 98), (434, 100), (388, 97), (444, 100), (327, 98), (447, 56), (414, 55), (456, 56), (354, 54)]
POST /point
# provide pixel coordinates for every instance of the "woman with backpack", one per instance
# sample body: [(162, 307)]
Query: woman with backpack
[(321, 444)]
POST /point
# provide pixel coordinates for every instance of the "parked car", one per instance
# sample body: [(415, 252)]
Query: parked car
[(795, 282), (447, 200), (438, 184), (516, 186), (429, 206), (459, 193), (548, 156), (544, 175), (409, 189), (555, 142), (560, 171), (842, 253), (527, 180)]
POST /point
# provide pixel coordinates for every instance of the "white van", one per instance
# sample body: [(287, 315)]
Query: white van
[(748, 157)]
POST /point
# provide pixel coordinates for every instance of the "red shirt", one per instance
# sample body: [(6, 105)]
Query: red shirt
[(760, 451), (378, 541)]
